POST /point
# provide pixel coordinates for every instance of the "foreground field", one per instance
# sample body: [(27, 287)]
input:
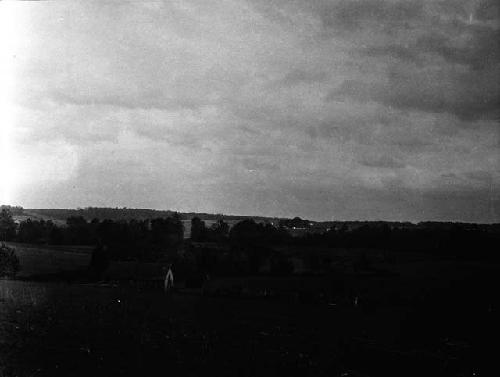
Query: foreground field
[(56, 329), (38, 260), (418, 316)]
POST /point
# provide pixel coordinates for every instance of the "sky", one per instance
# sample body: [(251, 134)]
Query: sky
[(328, 110)]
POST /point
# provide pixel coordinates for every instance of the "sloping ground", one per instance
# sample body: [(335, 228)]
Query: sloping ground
[(134, 271), (37, 216), (57, 329), (36, 260)]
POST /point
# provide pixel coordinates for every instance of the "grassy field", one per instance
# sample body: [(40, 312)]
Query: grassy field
[(67, 262), (428, 318), (56, 329), (37, 260)]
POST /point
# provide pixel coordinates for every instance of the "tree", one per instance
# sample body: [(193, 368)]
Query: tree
[(99, 262), (246, 232), (29, 231), (198, 229), (7, 225), (9, 262), (219, 230), (78, 230), (166, 234)]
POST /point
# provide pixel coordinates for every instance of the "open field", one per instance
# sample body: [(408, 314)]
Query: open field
[(46, 262), (421, 317), (37, 260), (86, 330), (55, 329)]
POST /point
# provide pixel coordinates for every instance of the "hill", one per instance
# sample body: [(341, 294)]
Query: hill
[(115, 214)]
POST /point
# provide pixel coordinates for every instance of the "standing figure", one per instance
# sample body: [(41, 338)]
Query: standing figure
[(169, 280)]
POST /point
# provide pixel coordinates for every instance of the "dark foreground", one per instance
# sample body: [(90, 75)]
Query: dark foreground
[(57, 329)]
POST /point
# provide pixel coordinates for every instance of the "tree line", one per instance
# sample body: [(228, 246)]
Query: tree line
[(147, 239), (125, 240)]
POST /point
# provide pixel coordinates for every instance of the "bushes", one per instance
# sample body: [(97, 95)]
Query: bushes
[(7, 225), (99, 262), (9, 262)]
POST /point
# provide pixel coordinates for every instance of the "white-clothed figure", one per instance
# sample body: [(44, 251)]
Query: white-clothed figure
[(169, 280)]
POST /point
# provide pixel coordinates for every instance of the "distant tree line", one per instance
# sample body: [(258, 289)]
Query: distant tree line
[(14, 210), (296, 222), (257, 242), (469, 241), (122, 213), (462, 240), (250, 247), (126, 240), (91, 213), (242, 250), (218, 232)]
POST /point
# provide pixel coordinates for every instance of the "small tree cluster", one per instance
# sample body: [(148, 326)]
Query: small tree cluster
[(7, 225), (9, 262), (218, 232)]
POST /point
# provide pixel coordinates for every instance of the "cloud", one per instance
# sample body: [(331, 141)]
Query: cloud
[(487, 10), (462, 205), (466, 10), (347, 16), (392, 51), (322, 109), (152, 100), (382, 161), (299, 76), (444, 59), (465, 95), (479, 51), (478, 48), (481, 176)]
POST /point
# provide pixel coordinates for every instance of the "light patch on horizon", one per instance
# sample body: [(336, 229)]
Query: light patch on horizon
[(322, 109)]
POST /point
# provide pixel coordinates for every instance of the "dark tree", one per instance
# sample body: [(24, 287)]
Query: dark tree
[(99, 262), (280, 265), (30, 231), (198, 230), (219, 231), (56, 235), (246, 232), (7, 225), (9, 262), (78, 230)]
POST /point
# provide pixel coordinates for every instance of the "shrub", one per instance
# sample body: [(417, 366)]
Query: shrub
[(9, 262), (99, 262)]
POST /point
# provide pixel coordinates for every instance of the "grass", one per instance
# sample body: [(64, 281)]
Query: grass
[(433, 318), (57, 329), (39, 260), (87, 330)]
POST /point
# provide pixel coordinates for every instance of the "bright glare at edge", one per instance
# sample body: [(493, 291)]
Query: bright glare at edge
[(8, 33)]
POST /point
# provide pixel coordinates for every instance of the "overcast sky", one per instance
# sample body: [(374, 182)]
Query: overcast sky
[(362, 109)]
